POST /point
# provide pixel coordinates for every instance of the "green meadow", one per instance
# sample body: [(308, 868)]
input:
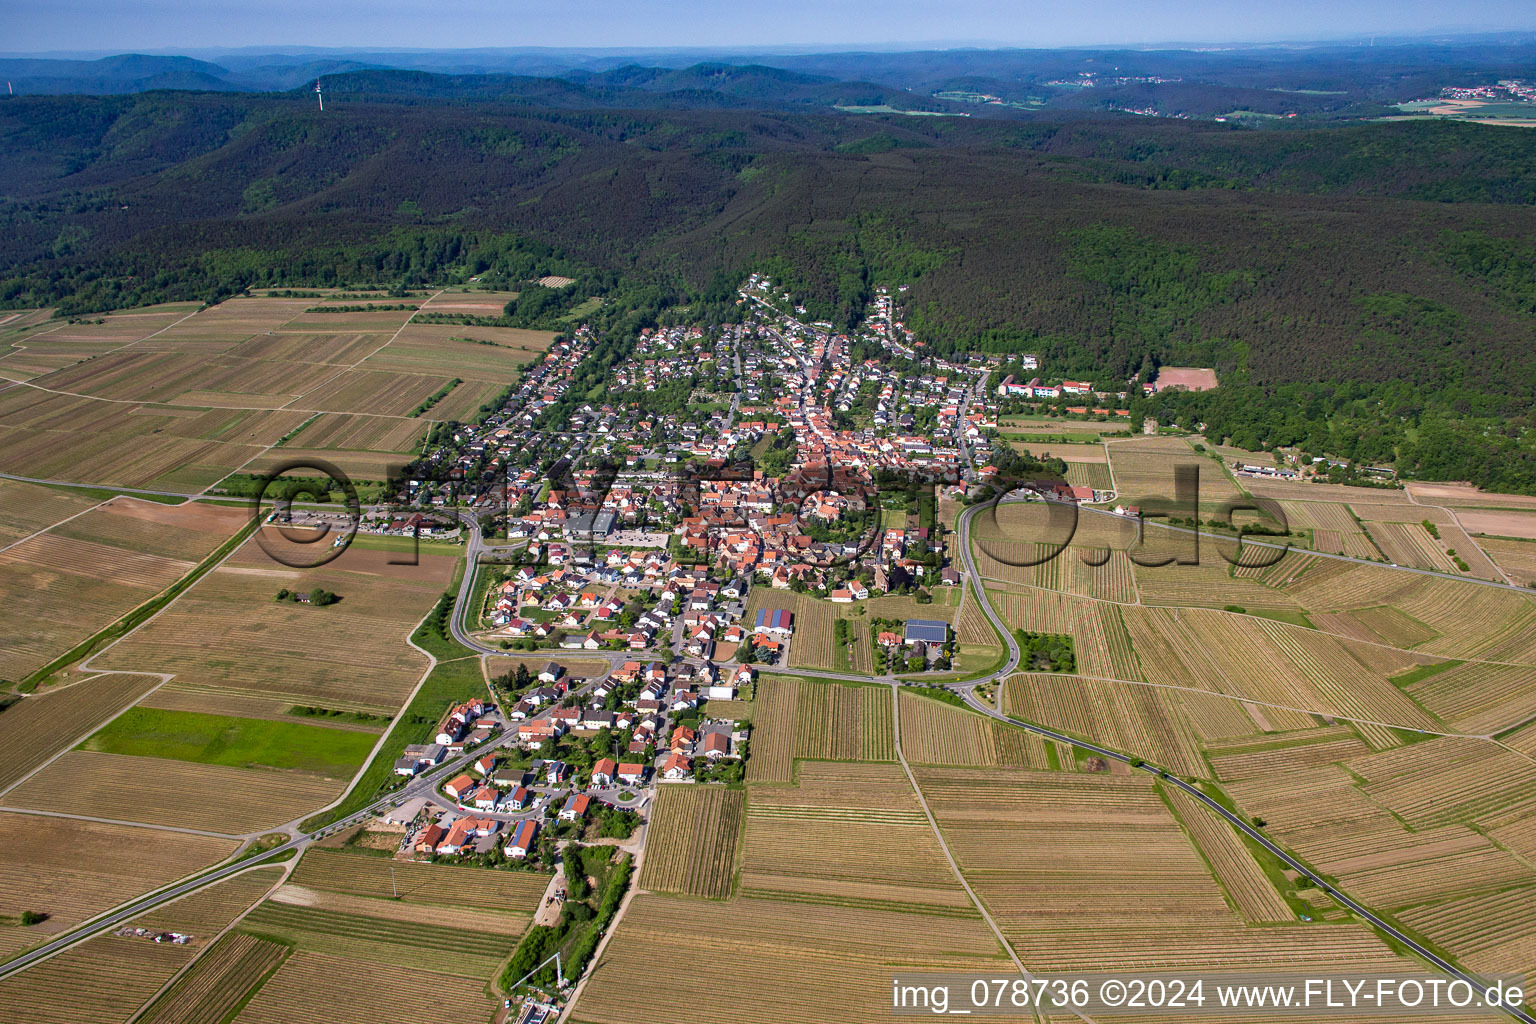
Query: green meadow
[(234, 742)]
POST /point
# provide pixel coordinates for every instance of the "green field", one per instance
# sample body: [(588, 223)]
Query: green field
[(234, 742)]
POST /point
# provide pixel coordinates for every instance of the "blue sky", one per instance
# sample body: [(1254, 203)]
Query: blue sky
[(122, 25)]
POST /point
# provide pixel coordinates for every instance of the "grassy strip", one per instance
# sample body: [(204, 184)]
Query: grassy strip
[(406, 545), (944, 696), (824, 679), (479, 591), (136, 617), (435, 397), (1414, 675), (433, 635)]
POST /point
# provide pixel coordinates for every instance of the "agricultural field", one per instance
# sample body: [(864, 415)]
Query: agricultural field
[(1405, 828), (1409, 544), (843, 723), (349, 656), (107, 978), (107, 865), (491, 918), (1149, 721), (207, 910), (1519, 525), (157, 791), (1335, 529), (175, 696), (1086, 872), (464, 401), (1450, 779), (1210, 584), (1280, 753), (327, 317), (64, 585), (384, 394), (580, 668), (933, 732), (1288, 671), (1490, 932), (1249, 890), (1308, 490), (1037, 611), (474, 301), (800, 963), (262, 358), (474, 353), (1517, 558), (692, 839), (1103, 647), (179, 376), (234, 742), (1144, 473), (972, 626), (362, 433), (64, 437), (1467, 496), (359, 465), (420, 883), (451, 949), (188, 531), (218, 981), (1090, 474), (334, 349), (874, 848), (1057, 425), (453, 924), (795, 718), (303, 990), (27, 508), (1471, 620), (42, 724)]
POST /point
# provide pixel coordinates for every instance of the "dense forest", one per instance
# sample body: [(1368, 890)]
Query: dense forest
[(1367, 288)]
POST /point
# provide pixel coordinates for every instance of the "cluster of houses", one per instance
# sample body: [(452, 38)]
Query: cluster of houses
[(482, 793), (464, 727), (412, 524), (539, 719), (475, 835)]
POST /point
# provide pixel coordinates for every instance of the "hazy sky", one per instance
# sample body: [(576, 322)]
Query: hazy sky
[(120, 25)]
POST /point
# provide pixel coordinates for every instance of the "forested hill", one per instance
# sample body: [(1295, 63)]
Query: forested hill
[(1367, 256)]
